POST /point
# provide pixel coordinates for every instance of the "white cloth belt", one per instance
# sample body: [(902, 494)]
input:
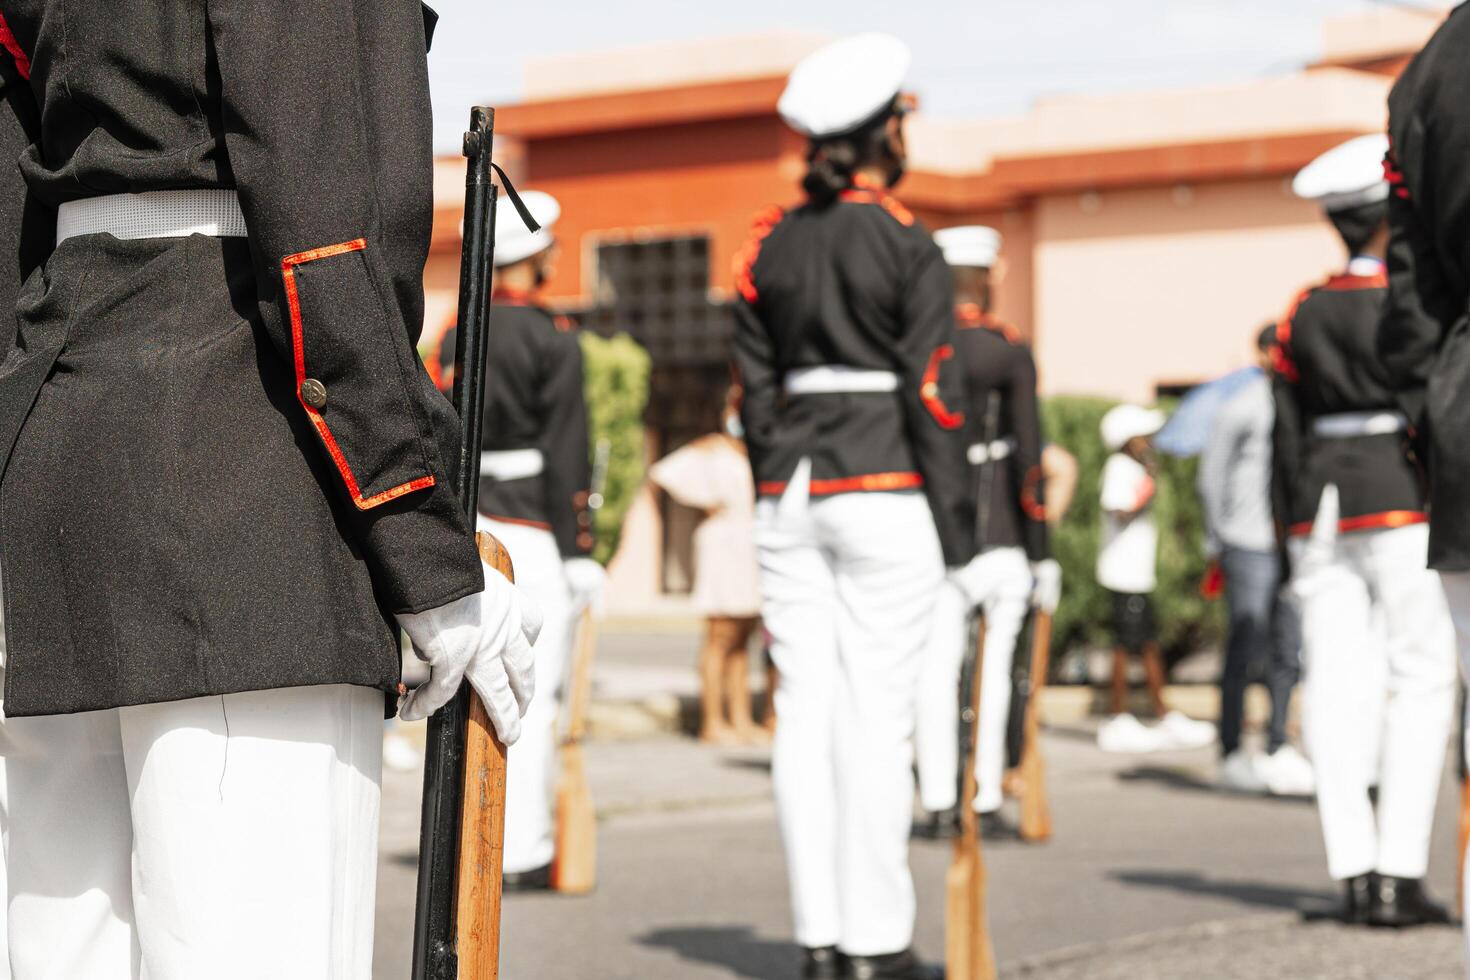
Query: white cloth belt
[(829, 379), (1347, 425), (153, 214), (989, 452), (512, 464)]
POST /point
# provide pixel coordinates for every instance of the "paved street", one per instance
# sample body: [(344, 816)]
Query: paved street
[(1152, 874)]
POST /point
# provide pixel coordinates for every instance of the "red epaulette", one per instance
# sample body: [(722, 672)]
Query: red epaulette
[(1281, 360), (1395, 175), (969, 316), (766, 220)]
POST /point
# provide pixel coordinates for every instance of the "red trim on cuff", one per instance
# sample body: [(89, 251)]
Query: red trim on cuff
[(9, 43), (1369, 522), (298, 346), (1033, 508), (929, 391)]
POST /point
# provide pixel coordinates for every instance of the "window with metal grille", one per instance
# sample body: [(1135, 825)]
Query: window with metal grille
[(657, 290)]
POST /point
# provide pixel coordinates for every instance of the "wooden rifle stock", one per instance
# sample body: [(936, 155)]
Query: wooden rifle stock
[(482, 823), (968, 953), (456, 934), (1035, 807), (574, 869), (1462, 754)]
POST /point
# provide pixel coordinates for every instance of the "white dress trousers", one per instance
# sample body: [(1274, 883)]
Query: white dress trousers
[(229, 837), (1457, 592), (848, 585), (1378, 652), (531, 764), (1004, 610)]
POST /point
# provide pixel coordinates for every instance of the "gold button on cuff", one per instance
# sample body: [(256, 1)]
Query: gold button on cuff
[(314, 393)]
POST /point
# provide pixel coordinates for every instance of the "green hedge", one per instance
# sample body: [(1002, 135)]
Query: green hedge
[(1186, 621), (616, 370)]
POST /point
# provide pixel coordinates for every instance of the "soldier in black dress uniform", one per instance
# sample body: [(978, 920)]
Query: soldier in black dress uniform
[(852, 413), (535, 473), (1422, 335), (1378, 647), (226, 485), (27, 231), (1000, 377)]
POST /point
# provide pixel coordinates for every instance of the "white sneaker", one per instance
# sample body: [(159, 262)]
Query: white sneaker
[(1288, 773), (399, 754), (1240, 772), (1125, 733), (1179, 731)]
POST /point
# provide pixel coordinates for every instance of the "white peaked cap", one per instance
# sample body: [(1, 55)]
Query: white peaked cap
[(974, 246), (837, 88), (1346, 176), (1125, 422), (513, 240)]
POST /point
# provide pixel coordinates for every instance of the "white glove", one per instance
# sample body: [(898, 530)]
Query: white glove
[(485, 637), (979, 579), (1046, 588), (585, 578)]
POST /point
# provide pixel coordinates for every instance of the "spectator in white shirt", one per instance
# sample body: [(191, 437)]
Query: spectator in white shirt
[(1126, 568)]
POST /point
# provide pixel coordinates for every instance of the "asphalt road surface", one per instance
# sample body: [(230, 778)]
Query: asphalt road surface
[(1152, 874)]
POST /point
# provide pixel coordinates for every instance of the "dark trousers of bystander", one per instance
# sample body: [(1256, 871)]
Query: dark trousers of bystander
[(1264, 643)]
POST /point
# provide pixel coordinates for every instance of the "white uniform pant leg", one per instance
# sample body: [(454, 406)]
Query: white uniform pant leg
[(4, 832), (1343, 662), (531, 764), (1421, 694), (255, 833), (798, 607), (888, 570), (68, 849), (230, 837), (936, 735), (1005, 613), (1457, 593)]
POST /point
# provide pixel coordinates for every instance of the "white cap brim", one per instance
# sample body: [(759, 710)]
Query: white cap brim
[(840, 87), (1347, 176), (513, 240), (969, 246)]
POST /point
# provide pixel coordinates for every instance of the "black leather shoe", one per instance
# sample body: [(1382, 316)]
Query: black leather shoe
[(891, 966), (1401, 902), (938, 825), (994, 826), (820, 963), (535, 880), (1357, 898)]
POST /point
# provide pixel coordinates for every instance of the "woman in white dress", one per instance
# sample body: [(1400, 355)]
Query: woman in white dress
[(712, 475)]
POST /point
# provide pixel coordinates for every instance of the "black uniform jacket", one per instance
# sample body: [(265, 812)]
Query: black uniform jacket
[(1423, 338), (1327, 364), (860, 284), (176, 519), (1000, 371), (534, 399)]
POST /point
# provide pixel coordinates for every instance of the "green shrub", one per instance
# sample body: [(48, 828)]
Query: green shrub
[(1186, 620), (616, 371)]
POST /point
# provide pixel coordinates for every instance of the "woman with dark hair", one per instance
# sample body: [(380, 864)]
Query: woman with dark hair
[(844, 342)]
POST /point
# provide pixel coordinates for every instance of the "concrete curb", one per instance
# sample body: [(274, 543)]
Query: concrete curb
[(664, 714)]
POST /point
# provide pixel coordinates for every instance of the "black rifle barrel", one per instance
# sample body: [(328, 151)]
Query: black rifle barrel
[(434, 916)]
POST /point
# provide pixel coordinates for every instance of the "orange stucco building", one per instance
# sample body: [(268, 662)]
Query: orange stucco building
[(1147, 236)]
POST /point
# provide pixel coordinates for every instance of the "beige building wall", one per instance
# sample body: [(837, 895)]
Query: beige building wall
[(1136, 288)]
